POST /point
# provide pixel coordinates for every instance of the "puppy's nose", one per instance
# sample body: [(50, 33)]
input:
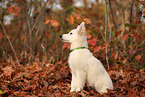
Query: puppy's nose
[(61, 36)]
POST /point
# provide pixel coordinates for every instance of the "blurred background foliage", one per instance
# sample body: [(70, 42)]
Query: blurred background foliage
[(115, 30)]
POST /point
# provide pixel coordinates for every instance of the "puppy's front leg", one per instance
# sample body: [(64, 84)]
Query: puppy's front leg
[(81, 79), (73, 82)]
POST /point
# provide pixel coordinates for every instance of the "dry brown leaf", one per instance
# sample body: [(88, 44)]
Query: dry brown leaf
[(8, 70)]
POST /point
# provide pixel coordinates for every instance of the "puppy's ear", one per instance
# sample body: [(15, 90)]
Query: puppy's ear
[(78, 27), (81, 28)]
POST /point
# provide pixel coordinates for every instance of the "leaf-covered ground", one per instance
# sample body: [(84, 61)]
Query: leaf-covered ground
[(53, 80)]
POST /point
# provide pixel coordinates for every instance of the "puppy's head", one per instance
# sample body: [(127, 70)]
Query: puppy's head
[(75, 35)]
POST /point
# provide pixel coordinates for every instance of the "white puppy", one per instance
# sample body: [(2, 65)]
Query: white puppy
[(84, 66)]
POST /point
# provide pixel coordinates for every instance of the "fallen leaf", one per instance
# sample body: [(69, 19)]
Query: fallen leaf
[(8, 70), (31, 95), (45, 83)]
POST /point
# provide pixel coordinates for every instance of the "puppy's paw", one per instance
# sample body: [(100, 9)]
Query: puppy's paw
[(78, 89), (72, 90)]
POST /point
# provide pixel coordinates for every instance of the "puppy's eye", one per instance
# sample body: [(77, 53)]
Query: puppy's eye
[(70, 33)]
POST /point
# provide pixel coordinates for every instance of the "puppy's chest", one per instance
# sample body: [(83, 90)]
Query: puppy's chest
[(73, 58), (78, 60)]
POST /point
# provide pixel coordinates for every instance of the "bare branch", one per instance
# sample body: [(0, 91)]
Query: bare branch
[(10, 43), (112, 16), (106, 23)]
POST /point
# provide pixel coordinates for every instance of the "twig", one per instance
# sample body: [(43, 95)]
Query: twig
[(44, 54), (35, 33), (106, 23), (112, 16), (17, 36), (129, 38), (12, 62), (10, 43), (29, 33), (4, 55), (109, 34), (99, 31), (133, 54)]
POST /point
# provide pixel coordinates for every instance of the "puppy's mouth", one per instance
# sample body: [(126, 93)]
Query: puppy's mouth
[(65, 40)]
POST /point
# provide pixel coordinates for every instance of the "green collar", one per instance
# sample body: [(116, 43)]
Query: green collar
[(78, 48)]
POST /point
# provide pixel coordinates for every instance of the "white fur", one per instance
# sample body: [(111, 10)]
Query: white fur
[(84, 66)]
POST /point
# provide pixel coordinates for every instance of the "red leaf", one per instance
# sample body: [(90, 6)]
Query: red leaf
[(77, 16), (89, 36), (46, 34), (117, 33), (137, 22), (125, 37), (105, 46), (136, 35), (54, 23), (50, 50), (65, 45), (116, 56), (13, 9), (93, 42), (97, 49), (47, 21)]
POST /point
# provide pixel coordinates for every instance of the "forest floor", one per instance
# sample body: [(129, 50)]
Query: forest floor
[(53, 80)]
